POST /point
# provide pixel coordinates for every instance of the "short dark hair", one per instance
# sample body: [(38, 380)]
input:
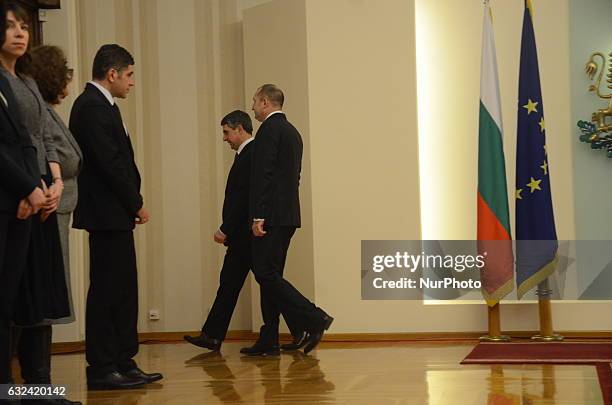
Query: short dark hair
[(18, 11), (272, 93), (236, 118), (49, 69), (110, 56), (2, 22)]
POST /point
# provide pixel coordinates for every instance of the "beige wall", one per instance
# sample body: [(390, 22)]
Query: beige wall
[(364, 149), (352, 86)]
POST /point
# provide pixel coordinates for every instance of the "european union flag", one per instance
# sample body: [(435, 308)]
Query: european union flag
[(536, 236)]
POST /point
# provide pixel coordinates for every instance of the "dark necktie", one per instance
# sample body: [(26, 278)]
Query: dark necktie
[(116, 109)]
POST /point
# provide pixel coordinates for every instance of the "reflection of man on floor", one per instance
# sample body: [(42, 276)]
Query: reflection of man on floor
[(222, 379)]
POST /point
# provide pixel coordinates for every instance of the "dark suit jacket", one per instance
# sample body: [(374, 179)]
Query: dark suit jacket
[(275, 174), (236, 224), (19, 173), (109, 183)]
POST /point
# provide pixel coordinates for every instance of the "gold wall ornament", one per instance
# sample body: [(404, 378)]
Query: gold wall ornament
[(598, 132)]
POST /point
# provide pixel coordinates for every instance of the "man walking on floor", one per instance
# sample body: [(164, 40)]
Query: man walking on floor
[(275, 215), (234, 232)]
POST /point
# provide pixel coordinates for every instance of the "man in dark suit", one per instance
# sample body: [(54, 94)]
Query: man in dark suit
[(275, 215), (234, 232), (108, 207)]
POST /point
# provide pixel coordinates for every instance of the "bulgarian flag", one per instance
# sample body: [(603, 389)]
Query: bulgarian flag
[(494, 237)]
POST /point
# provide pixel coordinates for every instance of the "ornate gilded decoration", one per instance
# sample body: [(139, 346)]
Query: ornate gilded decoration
[(597, 132)]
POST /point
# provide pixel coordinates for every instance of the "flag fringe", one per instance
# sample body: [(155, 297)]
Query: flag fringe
[(537, 278), (495, 297)]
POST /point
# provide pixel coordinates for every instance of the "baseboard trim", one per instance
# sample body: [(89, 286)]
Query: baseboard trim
[(247, 335)]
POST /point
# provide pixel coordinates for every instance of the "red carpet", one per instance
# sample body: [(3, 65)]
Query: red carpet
[(604, 372), (540, 353), (596, 354)]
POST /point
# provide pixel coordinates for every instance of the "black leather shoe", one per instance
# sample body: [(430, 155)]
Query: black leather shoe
[(137, 373), (260, 350), (114, 381), (315, 337), (297, 343), (204, 341)]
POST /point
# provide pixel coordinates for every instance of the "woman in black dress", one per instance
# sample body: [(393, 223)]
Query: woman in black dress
[(42, 296)]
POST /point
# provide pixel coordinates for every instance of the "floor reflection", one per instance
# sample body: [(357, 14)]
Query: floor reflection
[(292, 373), (338, 373), (222, 379), (535, 387), (497, 388)]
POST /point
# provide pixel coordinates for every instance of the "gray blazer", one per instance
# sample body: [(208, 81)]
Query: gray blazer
[(70, 160), (35, 117)]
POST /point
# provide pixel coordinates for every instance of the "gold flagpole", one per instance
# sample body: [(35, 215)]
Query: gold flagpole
[(494, 319), (545, 310), (493, 315)]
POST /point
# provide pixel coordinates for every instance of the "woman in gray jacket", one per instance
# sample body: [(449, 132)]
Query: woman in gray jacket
[(49, 69)]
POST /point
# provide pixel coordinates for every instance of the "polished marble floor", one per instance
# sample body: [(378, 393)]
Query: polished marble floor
[(337, 373)]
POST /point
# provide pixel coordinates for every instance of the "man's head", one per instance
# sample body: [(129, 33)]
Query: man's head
[(237, 128), (268, 98), (113, 67)]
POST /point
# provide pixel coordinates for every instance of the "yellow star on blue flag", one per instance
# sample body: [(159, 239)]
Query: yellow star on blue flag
[(536, 235)]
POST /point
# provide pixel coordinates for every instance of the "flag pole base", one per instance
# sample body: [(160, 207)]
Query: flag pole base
[(497, 338), (547, 338), (546, 334)]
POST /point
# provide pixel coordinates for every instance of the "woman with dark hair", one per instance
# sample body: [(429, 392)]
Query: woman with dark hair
[(49, 69), (20, 197), (42, 296)]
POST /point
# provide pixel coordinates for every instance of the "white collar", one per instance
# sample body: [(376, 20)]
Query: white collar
[(272, 113), (243, 144), (104, 91)]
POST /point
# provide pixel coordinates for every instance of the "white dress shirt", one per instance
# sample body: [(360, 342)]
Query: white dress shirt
[(110, 99), (272, 113), (243, 144), (104, 91)]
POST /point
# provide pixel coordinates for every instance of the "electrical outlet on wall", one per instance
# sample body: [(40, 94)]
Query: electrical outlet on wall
[(154, 315)]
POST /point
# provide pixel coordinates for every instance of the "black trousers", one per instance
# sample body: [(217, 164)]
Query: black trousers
[(236, 266), (33, 345), (112, 303), (269, 256), (14, 242)]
